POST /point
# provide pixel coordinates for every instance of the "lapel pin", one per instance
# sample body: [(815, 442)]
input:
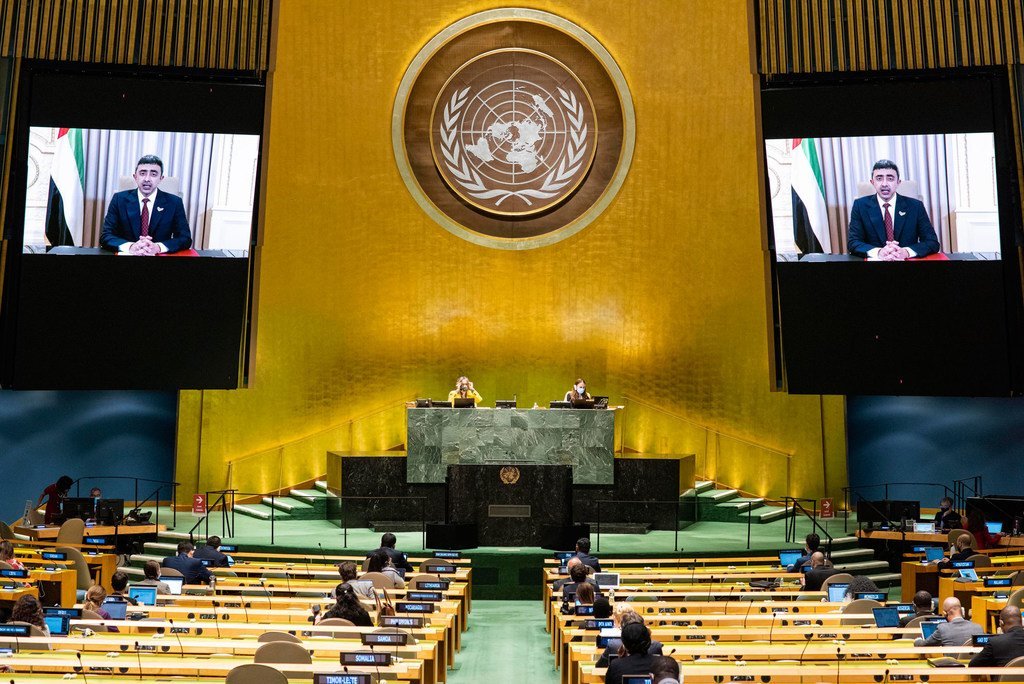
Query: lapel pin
[(902, 213), (161, 209)]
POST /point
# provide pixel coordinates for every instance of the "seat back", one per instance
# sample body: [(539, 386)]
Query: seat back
[(916, 622), (396, 630), (379, 579), (255, 673), (1017, 579), (77, 560), (170, 572), (35, 517), (839, 577), (5, 531), (414, 582), (1016, 662), (71, 532), (93, 615), (860, 611), (1016, 598), (981, 560), (278, 652), (267, 637)]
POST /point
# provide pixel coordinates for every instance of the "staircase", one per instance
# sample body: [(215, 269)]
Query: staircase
[(298, 504), (726, 505)]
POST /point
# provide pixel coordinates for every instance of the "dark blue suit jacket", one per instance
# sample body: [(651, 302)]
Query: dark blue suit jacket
[(167, 221), (192, 568), (910, 223)]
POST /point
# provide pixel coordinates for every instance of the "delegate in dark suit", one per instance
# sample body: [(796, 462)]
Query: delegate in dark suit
[(216, 558), (398, 558), (632, 664), (1001, 649), (813, 579), (168, 224), (911, 227), (192, 568)]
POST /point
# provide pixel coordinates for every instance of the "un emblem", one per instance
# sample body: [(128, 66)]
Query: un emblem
[(509, 475), (513, 132), (509, 147)]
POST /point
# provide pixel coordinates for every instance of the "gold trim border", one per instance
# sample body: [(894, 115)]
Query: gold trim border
[(489, 17), (498, 212)]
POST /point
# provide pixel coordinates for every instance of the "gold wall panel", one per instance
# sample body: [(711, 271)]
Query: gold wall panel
[(365, 302)]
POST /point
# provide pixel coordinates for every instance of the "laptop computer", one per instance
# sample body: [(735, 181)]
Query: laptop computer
[(837, 591), (886, 617), (789, 557), (505, 403), (967, 575), (928, 627), (600, 402), (583, 404), (463, 402), (607, 580), (173, 583), (59, 625), (994, 527), (934, 553), (117, 608), (924, 527), (145, 595)]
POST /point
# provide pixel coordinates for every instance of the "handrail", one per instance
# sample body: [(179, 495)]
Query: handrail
[(319, 433), (885, 485), (675, 526), (791, 531), (161, 484), (224, 525), (708, 428), (960, 490)]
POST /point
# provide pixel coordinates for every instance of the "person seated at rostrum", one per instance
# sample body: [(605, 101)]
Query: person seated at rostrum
[(380, 562), (946, 518), (922, 608), (347, 607)]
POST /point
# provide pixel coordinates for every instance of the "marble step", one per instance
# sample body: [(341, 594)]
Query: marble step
[(260, 512)]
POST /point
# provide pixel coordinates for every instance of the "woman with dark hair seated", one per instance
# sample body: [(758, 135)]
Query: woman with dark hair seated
[(28, 609), (860, 584), (380, 562), (633, 657), (348, 607)]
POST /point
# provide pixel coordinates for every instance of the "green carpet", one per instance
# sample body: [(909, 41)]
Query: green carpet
[(505, 644)]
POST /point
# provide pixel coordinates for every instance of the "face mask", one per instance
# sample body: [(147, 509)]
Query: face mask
[(581, 390)]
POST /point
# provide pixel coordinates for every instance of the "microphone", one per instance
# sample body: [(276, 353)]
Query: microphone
[(711, 587), (138, 658), (287, 582), (375, 663), (728, 597), (322, 554), (216, 619), (245, 609), (177, 636), (80, 664), (839, 652), (806, 644), (270, 605), (750, 604), (770, 630)]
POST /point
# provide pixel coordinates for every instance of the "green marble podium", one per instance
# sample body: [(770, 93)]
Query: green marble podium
[(582, 438)]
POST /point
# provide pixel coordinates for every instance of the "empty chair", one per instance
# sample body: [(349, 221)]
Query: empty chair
[(33, 631), (93, 615), (836, 579), (1016, 598), (332, 622), (278, 652), (916, 622), (1017, 579), (414, 583), (981, 560), (396, 630), (35, 518), (71, 532), (272, 635), (861, 608), (170, 572), (255, 673), (82, 577), (5, 531)]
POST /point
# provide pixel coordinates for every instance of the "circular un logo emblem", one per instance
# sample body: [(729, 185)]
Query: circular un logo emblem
[(513, 132), (509, 475), (518, 145)]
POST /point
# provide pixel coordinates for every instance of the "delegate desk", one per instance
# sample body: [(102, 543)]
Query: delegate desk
[(439, 437)]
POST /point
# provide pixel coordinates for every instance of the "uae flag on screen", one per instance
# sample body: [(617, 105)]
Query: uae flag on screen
[(66, 204), (810, 218)]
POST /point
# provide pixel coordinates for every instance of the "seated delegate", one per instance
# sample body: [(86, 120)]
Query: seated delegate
[(464, 390)]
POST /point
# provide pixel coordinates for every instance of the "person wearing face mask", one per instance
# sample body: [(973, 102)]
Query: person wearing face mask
[(946, 518), (578, 391), (464, 390)]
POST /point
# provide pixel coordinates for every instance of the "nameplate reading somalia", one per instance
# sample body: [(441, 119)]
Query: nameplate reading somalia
[(513, 132)]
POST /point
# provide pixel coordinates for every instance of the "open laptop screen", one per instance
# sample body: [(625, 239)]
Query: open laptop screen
[(173, 583), (116, 608), (837, 591), (57, 624), (145, 595), (934, 553), (886, 617), (787, 558)]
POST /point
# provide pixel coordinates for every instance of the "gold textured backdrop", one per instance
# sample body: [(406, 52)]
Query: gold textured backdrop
[(363, 302)]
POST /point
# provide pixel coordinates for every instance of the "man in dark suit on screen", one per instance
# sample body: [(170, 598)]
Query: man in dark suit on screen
[(145, 221), (888, 226)]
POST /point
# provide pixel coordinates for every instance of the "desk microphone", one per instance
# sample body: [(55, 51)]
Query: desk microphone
[(85, 677), (216, 618), (138, 658), (711, 587), (177, 636), (770, 630), (838, 661), (750, 604), (728, 597), (270, 605), (322, 554), (287, 582), (806, 644)]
